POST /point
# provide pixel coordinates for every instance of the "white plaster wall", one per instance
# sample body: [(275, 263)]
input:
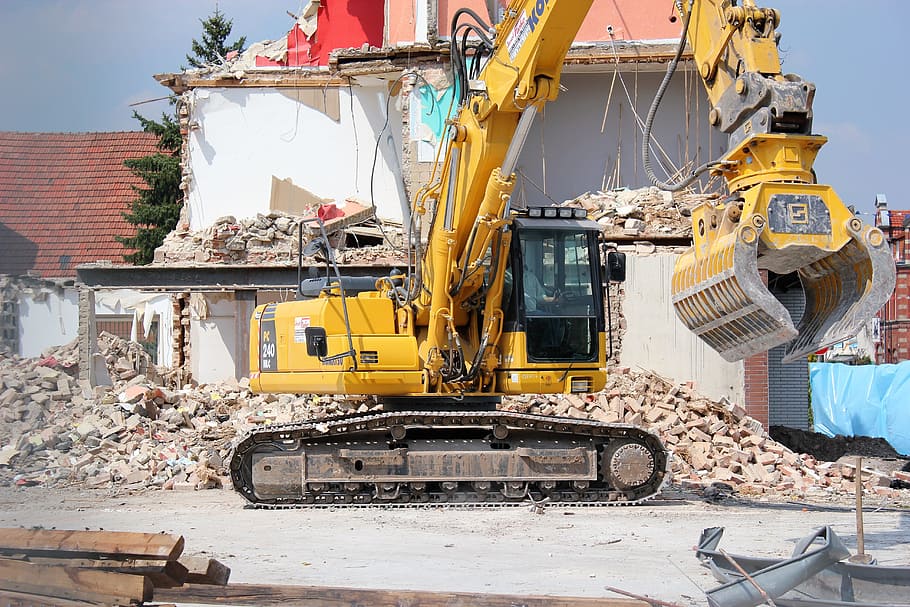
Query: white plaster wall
[(420, 26), (47, 317), (567, 154), (219, 341), (656, 340), (241, 137)]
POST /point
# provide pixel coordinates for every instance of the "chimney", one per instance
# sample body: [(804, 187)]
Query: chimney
[(882, 215)]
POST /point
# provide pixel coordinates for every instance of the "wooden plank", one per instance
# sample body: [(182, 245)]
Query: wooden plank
[(91, 544), (88, 585), (257, 595), (23, 599), (354, 212), (202, 570), (163, 574)]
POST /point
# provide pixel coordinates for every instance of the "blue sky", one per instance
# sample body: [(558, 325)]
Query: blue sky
[(77, 65)]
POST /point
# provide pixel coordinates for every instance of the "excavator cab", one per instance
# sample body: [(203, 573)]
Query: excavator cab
[(561, 306), (553, 302)]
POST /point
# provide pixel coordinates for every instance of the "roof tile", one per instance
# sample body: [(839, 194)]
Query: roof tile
[(63, 194)]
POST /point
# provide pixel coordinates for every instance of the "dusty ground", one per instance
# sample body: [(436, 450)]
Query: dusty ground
[(565, 551)]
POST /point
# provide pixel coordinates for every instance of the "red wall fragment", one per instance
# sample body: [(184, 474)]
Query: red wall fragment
[(340, 24)]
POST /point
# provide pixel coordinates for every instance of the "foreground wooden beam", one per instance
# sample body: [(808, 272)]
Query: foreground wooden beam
[(163, 574), (90, 585), (90, 544), (202, 570), (324, 596), (22, 599)]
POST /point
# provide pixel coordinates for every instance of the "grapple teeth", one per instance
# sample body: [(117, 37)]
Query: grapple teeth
[(721, 298), (843, 290)]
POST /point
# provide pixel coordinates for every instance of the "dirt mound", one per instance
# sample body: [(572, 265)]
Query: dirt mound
[(825, 448)]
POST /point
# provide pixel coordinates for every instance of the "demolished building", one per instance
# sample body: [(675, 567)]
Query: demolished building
[(345, 114)]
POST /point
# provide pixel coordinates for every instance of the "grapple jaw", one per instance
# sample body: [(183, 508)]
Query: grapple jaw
[(843, 290), (722, 298), (845, 268)]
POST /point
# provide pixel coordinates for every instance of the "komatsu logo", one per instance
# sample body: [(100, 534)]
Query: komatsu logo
[(537, 12), (525, 24)]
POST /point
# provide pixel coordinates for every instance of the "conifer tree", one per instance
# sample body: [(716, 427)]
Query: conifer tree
[(156, 210), (213, 47)]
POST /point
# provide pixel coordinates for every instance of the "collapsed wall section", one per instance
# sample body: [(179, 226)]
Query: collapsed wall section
[(327, 138)]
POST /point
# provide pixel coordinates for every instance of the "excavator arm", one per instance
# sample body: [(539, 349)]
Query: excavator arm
[(776, 218), (469, 206)]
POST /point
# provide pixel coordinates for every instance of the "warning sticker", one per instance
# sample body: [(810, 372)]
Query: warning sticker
[(518, 35), (300, 326)]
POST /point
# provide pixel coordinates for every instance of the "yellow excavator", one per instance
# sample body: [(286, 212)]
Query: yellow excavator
[(497, 300)]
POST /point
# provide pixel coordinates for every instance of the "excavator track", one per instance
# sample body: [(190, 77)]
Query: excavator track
[(476, 458)]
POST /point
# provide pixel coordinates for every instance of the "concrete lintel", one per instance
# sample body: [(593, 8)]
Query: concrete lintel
[(206, 278), (346, 63), (274, 77)]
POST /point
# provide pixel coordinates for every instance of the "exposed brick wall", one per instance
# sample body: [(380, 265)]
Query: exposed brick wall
[(896, 331), (895, 316), (756, 387), (755, 384)]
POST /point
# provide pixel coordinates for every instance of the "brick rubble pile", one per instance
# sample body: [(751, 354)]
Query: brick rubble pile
[(262, 239), (137, 433), (144, 433), (712, 441), (271, 238), (645, 212), (267, 239)]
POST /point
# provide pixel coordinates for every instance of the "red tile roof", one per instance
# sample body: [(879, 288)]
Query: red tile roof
[(62, 196), (900, 219)]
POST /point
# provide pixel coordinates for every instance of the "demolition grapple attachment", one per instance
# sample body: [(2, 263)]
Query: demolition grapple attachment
[(720, 292)]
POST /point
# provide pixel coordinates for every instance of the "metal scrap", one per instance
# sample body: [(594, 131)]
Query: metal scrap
[(820, 577)]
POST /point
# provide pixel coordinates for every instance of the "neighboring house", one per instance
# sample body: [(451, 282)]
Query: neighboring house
[(62, 198), (893, 339)]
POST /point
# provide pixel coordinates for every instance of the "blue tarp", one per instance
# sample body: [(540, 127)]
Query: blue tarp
[(863, 400)]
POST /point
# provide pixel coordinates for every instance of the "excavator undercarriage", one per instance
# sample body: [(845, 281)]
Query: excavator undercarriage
[(451, 457)]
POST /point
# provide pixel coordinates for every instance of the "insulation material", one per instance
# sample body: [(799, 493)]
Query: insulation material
[(308, 21), (273, 51), (145, 307), (864, 400), (293, 199)]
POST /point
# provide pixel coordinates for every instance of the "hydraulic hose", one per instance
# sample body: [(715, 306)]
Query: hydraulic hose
[(652, 112)]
